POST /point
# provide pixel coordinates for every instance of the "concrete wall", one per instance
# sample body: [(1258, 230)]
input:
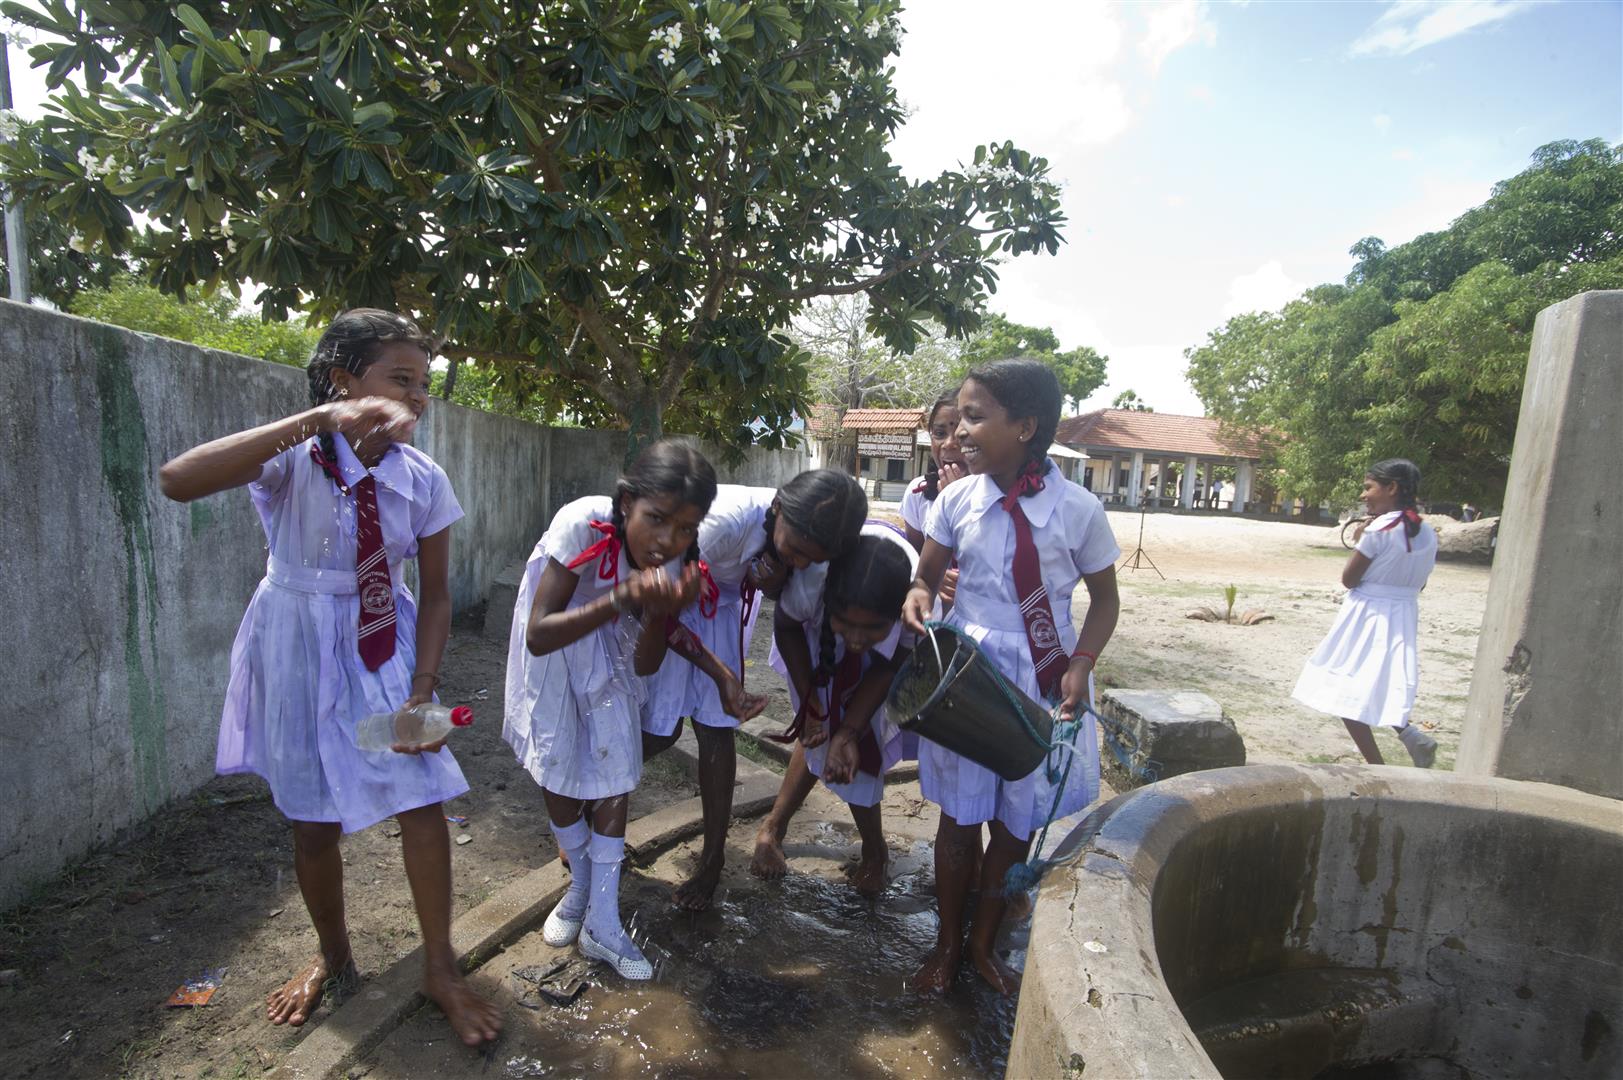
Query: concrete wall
[(120, 607), (1546, 697)]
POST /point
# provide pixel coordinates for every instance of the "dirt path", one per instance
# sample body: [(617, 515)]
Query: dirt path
[(210, 883)]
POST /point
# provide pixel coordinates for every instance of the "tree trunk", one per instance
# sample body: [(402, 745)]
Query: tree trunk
[(450, 379), (644, 423), (841, 454)]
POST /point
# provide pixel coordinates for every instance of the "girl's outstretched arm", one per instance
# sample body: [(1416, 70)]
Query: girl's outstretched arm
[(736, 701), (920, 600), (1104, 608), (235, 460)]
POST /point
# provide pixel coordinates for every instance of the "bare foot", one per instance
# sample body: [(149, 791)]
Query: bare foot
[(294, 1001), (694, 894), (868, 876), (994, 971), (938, 971), (768, 863), (473, 1018)]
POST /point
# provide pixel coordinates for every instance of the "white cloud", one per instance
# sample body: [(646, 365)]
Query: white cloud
[(1438, 202), (1381, 122), (1101, 111), (1403, 153), (1171, 26), (1200, 92), (1177, 200), (1267, 288), (1409, 25)]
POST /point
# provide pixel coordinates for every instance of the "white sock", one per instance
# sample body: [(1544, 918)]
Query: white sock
[(572, 841), (603, 910)]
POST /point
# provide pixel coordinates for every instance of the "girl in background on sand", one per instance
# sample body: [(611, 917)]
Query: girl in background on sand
[(848, 618), (1024, 536), (1367, 668), (588, 628), (332, 635), (754, 541)]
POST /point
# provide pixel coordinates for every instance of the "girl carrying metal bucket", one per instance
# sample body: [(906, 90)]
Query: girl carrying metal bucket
[(1023, 536)]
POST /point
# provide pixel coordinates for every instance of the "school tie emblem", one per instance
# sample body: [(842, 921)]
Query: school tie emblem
[(1042, 639)]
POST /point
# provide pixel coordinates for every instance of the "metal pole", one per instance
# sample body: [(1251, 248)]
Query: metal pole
[(16, 237)]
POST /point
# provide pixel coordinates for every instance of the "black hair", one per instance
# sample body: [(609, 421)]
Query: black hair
[(875, 576), (826, 506), (932, 469), (353, 343), (1025, 387), (1406, 475), (667, 467)]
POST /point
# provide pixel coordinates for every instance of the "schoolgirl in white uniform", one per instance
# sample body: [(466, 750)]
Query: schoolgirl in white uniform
[(758, 541), (1367, 669), (1024, 536), (333, 634), (837, 639), (588, 628)]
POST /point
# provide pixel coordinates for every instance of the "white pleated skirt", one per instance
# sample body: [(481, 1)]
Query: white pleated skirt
[(1368, 667)]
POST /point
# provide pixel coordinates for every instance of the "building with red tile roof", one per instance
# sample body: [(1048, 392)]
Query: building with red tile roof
[(1163, 457)]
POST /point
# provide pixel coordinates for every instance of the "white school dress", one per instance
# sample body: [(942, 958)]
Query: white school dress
[(915, 505), (732, 533), (802, 601), (298, 685), (1368, 667), (1073, 538), (574, 716)]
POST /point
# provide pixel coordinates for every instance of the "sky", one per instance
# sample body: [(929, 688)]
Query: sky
[(1218, 158)]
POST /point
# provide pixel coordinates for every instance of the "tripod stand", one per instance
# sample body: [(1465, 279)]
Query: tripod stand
[(1140, 557)]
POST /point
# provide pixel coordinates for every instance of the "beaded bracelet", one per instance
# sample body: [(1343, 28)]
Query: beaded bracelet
[(429, 674), (1093, 658)]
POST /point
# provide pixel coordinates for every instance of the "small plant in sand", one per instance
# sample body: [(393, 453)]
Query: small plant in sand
[(1248, 617)]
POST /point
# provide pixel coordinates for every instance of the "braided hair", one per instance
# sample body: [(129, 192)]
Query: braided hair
[(353, 343), (875, 576), (1406, 476), (1025, 387), (666, 467), (826, 506), (932, 470)]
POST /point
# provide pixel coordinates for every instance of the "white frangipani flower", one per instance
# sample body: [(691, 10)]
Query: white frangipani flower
[(666, 56), (433, 85), (713, 32), (713, 56)]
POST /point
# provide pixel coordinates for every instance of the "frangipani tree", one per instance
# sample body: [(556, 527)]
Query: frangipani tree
[(633, 197)]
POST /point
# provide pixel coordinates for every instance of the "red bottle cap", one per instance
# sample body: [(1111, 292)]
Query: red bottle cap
[(461, 716)]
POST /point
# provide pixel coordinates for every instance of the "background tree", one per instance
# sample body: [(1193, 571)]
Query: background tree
[(1129, 399), (215, 322), (1081, 371), (628, 197), (850, 367), (1421, 353)]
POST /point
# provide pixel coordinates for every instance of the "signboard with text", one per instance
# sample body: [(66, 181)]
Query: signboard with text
[(885, 446)]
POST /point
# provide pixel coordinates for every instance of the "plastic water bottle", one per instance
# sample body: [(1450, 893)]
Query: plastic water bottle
[(419, 724)]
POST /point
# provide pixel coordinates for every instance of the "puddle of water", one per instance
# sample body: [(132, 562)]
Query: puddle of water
[(800, 978)]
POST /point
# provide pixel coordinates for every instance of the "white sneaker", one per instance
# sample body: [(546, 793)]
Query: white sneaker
[(558, 930), (634, 967)]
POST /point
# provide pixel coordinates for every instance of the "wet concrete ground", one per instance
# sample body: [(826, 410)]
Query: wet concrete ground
[(795, 978)]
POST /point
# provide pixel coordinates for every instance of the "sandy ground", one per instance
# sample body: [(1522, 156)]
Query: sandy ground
[(209, 884)]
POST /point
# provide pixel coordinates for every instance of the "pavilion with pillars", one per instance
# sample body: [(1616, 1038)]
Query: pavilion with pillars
[(1161, 460)]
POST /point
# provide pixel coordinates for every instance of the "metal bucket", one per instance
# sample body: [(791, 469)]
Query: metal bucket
[(951, 694)]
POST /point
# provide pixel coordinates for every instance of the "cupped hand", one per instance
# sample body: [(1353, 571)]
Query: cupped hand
[(842, 760), (369, 418), (739, 703)]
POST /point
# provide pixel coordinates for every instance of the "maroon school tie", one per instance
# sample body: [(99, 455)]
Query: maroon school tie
[(376, 632), (1041, 636)]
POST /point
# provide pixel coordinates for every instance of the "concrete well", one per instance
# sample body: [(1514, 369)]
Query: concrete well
[(1301, 921)]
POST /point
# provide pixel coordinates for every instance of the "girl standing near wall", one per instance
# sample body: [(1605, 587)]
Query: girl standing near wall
[(332, 634)]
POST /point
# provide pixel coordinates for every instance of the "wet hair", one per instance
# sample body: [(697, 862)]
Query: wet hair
[(826, 506), (667, 467), (874, 576), (353, 343), (1405, 474), (932, 468), (1025, 387)]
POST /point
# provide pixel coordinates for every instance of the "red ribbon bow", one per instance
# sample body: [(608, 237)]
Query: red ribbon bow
[(606, 551), (1409, 513)]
